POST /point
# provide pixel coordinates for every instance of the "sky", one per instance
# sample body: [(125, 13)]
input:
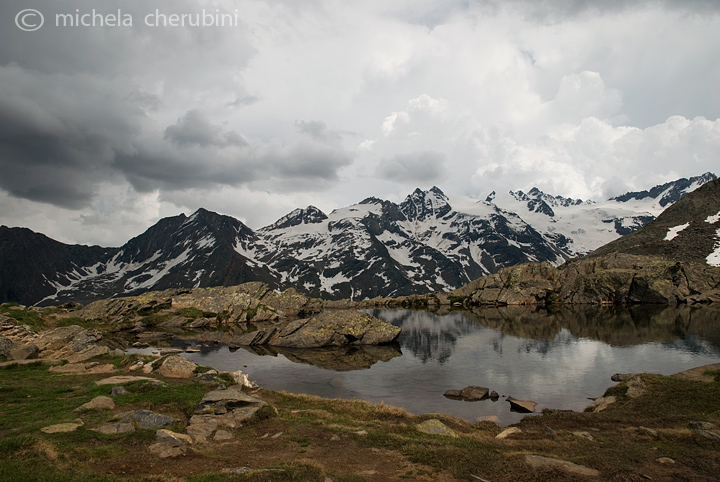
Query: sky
[(106, 128)]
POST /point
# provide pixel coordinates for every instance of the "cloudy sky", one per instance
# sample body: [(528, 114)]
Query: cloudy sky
[(106, 129)]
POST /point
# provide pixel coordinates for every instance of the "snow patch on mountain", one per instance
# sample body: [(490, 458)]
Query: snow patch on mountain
[(713, 258), (675, 231)]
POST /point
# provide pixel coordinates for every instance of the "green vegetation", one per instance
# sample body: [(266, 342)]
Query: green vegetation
[(24, 316)]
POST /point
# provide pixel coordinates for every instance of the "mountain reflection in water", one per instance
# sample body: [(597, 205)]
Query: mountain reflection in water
[(558, 358)]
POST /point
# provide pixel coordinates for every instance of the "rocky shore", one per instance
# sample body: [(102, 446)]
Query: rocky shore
[(135, 411)]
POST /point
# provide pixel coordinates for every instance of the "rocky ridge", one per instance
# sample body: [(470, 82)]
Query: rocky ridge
[(375, 248)]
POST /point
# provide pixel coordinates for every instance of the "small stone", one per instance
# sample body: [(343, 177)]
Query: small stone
[(62, 427), (539, 461), (634, 392), (522, 406), (334, 438), (489, 419), (707, 434), (114, 428), (222, 435), (148, 419), (647, 431), (702, 425), (665, 461), (177, 367), (25, 352), (549, 431), (98, 403), (200, 431), (585, 435), (164, 435), (636, 387), (118, 391), (474, 393), (494, 396), (621, 377), (170, 351), (83, 368), (435, 427), (601, 404), (121, 379), (147, 368), (336, 382), (453, 394), (277, 435), (165, 450), (507, 432), (361, 433)]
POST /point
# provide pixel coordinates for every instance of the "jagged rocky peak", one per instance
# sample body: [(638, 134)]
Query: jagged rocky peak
[(309, 215), (669, 192), (421, 205), (491, 197)]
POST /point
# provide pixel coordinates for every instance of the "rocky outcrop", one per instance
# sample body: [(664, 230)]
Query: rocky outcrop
[(221, 409), (332, 328), (613, 279), (248, 302)]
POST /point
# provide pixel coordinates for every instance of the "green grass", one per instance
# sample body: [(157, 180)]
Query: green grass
[(23, 316)]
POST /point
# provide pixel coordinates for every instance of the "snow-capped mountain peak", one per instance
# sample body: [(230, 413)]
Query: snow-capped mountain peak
[(374, 248), (421, 205), (309, 215)]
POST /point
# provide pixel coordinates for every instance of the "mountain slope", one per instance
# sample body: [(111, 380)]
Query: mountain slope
[(688, 230), (374, 248)]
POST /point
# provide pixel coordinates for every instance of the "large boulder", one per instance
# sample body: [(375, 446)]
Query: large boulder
[(331, 328), (177, 367)]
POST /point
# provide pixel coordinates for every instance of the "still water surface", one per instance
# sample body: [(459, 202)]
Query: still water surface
[(558, 359)]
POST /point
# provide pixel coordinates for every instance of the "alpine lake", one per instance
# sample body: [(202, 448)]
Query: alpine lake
[(561, 357)]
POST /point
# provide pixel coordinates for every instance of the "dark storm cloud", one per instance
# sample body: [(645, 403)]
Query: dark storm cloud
[(58, 135), (194, 129), (153, 168), (80, 106), (422, 166)]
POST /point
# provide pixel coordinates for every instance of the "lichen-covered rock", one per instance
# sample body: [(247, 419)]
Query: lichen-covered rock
[(24, 352), (148, 419), (611, 279), (176, 367), (98, 403), (435, 427), (335, 328)]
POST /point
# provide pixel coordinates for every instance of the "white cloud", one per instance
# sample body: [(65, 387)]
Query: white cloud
[(329, 102)]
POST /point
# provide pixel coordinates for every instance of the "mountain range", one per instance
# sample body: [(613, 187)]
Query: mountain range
[(429, 242)]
